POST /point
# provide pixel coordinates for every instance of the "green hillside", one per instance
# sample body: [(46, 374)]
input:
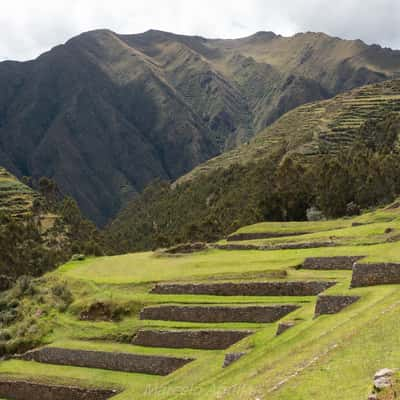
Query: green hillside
[(94, 305), (337, 156), (16, 199), (314, 129), (128, 109)]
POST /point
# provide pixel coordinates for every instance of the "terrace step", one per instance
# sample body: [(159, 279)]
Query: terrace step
[(217, 314), (236, 237), (331, 263), (23, 390), (375, 274), (115, 361), (295, 288), (193, 339), (333, 304)]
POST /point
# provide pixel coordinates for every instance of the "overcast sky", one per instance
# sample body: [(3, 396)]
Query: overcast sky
[(30, 27)]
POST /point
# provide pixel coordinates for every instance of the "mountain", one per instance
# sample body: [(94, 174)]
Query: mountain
[(106, 114), (336, 155), (323, 127)]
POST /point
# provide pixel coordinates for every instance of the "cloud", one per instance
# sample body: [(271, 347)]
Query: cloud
[(29, 28)]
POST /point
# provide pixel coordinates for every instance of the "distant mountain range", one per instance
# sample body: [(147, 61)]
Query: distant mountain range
[(105, 114)]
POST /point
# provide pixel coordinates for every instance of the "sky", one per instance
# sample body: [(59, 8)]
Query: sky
[(30, 27)]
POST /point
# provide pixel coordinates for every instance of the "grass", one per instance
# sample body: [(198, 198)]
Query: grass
[(326, 357), (370, 228)]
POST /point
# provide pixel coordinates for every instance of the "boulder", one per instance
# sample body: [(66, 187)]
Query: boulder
[(230, 358)]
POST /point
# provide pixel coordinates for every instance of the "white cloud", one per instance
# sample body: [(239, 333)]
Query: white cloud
[(27, 28)]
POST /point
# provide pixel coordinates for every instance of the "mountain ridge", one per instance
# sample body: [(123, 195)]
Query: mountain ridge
[(106, 114)]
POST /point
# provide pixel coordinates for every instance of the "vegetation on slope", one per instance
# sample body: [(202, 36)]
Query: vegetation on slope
[(317, 358), (16, 199), (40, 229), (282, 187), (110, 113)]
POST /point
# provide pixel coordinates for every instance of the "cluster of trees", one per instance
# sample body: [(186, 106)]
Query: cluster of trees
[(281, 188), (26, 248)]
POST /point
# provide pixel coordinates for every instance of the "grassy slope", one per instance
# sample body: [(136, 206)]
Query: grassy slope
[(15, 197), (370, 228), (323, 357), (315, 128)]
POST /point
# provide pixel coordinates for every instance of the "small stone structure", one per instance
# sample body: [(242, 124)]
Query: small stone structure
[(333, 304), (295, 288), (260, 314), (330, 263), (23, 390), (126, 362), (261, 235), (230, 358), (375, 274), (283, 327), (190, 339)]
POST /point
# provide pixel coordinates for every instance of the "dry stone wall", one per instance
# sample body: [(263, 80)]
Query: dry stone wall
[(283, 327), (299, 288), (330, 263), (193, 339), (261, 314), (333, 304), (281, 246), (375, 274), (261, 235), (22, 390), (126, 362), (230, 358)]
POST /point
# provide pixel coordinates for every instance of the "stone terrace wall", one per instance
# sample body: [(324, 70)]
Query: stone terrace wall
[(283, 327), (305, 288), (155, 365), (267, 247), (193, 339), (261, 314), (333, 304), (22, 390), (261, 235), (330, 263), (375, 274)]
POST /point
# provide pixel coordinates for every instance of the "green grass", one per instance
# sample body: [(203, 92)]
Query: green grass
[(326, 357), (340, 232)]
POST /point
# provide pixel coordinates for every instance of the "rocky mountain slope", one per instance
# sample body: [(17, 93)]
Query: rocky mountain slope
[(336, 155), (105, 114)]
